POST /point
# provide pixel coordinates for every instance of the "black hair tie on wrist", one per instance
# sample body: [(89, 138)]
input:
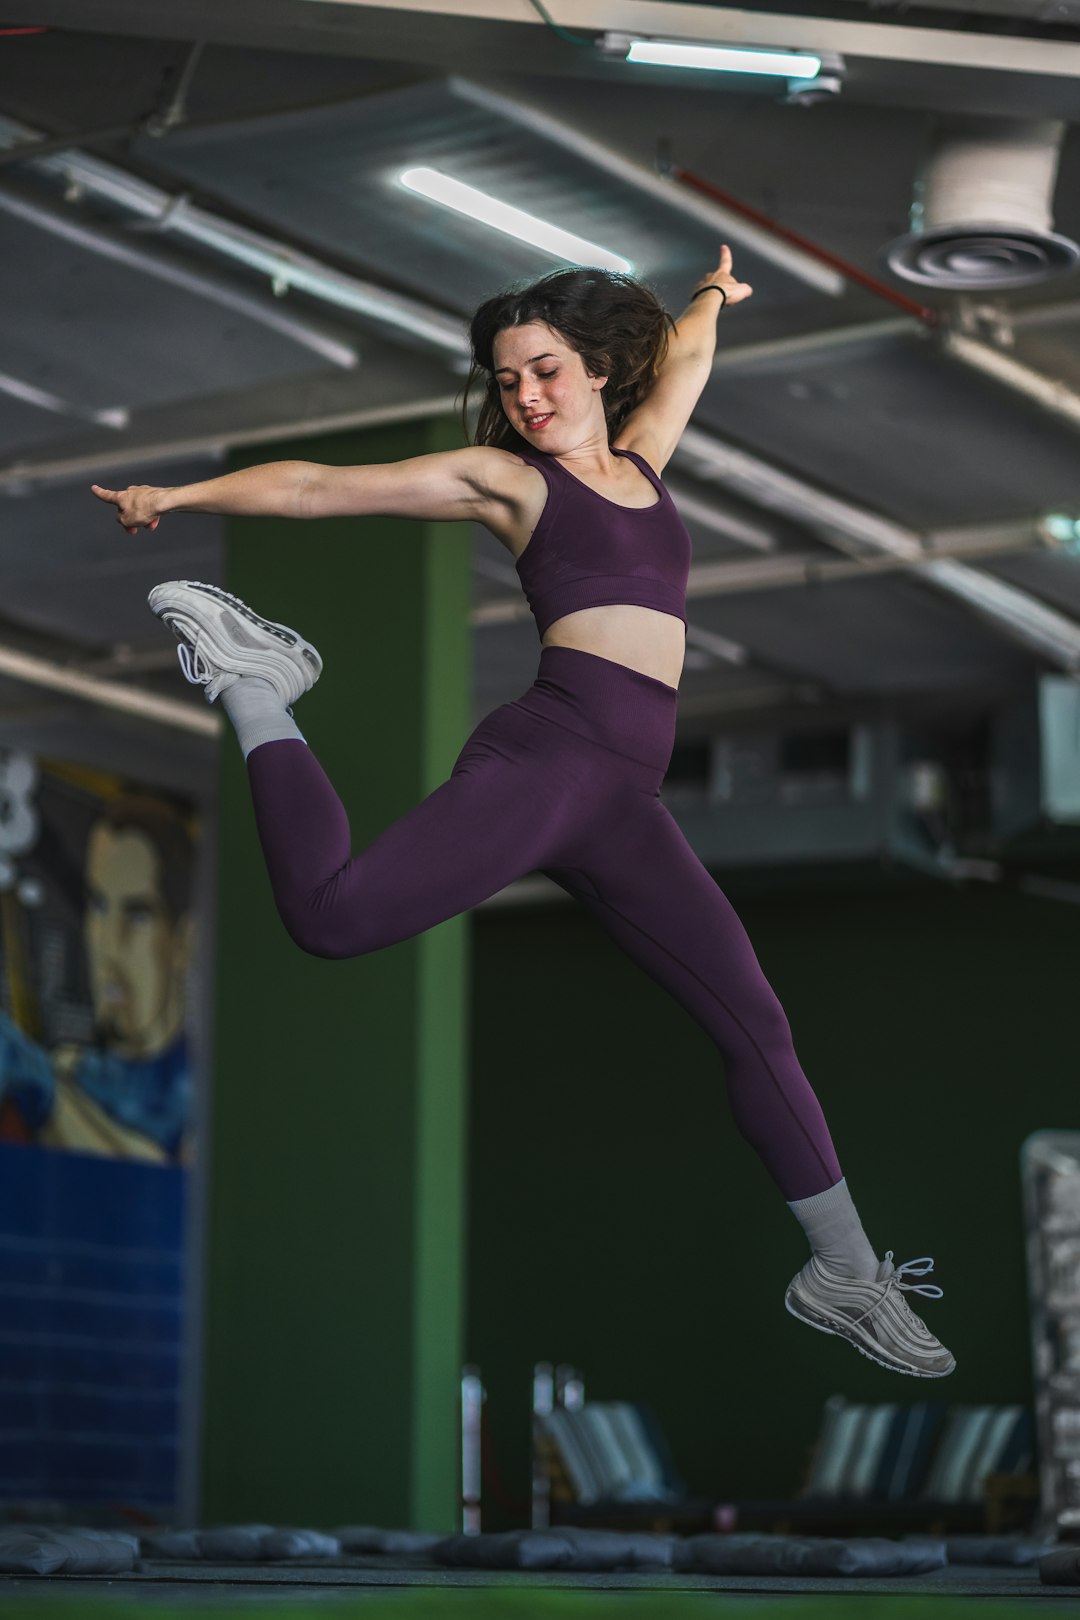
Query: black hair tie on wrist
[(712, 287)]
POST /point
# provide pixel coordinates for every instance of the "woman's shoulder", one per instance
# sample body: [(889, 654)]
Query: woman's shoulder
[(501, 473)]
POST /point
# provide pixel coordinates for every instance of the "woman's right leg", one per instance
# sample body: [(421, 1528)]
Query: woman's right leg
[(493, 821), (498, 817)]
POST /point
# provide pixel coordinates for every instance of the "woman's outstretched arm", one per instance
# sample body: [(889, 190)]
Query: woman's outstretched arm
[(448, 485), (655, 427)]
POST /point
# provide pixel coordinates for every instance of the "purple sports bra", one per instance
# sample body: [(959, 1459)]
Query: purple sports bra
[(587, 551)]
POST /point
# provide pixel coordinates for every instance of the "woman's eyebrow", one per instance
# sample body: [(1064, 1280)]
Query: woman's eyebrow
[(531, 362)]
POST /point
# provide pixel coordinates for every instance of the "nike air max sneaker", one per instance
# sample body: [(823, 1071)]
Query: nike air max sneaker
[(873, 1316), (221, 639)]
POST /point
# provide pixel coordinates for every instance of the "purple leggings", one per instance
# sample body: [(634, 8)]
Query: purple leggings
[(566, 780)]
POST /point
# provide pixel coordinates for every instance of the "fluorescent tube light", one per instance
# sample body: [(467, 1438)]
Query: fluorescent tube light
[(724, 58), (501, 216)]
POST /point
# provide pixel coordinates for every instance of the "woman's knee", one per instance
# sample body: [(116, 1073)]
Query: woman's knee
[(755, 1021), (325, 936)]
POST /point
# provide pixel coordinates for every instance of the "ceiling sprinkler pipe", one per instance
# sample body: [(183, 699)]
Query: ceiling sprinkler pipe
[(814, 250), (982, 214)]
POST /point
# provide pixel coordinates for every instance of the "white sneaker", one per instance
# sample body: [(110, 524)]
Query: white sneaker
[(873, 1316), (221, 639)]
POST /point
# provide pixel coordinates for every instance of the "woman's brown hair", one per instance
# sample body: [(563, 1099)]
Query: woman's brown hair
[(617, 325)]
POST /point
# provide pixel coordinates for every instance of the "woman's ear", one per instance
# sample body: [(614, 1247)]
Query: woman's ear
[(599, 378)]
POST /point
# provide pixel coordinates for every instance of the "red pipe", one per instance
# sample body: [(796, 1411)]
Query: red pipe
[(5, 33), (882, 289)]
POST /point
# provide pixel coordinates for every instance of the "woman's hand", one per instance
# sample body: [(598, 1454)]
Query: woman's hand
[(138, 506), (735, 291)]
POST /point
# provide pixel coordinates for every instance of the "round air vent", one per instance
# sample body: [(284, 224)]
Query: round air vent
[(981, 219), (981, 258)]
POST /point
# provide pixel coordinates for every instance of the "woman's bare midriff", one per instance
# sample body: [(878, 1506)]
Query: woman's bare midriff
[(641, 638)]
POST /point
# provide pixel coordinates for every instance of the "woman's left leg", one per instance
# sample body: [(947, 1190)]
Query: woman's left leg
[(649, 891), (641, 880)]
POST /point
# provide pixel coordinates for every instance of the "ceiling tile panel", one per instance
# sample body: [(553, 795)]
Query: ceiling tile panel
[(330, 177), (867, 636), (100, 335), (896, 426)]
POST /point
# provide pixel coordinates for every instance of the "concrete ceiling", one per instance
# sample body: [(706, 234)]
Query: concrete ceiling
[(207, 247)]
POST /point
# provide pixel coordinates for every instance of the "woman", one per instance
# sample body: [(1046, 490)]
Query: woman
[(587, 393)]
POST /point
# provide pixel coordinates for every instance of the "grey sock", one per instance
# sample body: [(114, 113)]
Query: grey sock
[(258, 713), (832, 1225)]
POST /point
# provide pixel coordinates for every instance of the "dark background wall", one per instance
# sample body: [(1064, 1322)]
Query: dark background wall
[(617, 1221)]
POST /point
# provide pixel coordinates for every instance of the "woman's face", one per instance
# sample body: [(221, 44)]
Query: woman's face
[(547, 394)]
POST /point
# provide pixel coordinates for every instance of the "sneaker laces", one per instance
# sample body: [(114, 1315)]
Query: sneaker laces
[(894, 1283), (194, 665), (200, 672)]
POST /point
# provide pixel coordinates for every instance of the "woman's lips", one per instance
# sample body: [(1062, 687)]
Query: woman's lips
[(535, 424)]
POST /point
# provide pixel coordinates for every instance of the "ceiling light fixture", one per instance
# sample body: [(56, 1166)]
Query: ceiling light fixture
[(441, 188), (713, 58)]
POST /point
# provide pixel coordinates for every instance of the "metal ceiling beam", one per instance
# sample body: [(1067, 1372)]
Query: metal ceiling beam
[(728, 25), (808, 345), (22, 477), (857, 531), (744, 531), (790, 570)]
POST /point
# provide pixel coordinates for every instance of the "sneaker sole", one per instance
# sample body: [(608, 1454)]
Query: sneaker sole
[(231, 659), (823, 1325)]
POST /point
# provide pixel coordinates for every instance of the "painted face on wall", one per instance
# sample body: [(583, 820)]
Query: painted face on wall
[(138, 954)]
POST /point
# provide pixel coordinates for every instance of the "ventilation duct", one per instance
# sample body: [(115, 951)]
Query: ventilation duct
[(981, 219)]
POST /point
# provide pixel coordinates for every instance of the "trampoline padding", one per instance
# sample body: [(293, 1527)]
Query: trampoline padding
[(30, 1550), (994, 1550), (568, 1548), (241, 1544), (1061, 1567), (796, 1555), (369, 1539)]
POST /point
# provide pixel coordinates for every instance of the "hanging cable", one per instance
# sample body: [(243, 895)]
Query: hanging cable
[(558, 29)]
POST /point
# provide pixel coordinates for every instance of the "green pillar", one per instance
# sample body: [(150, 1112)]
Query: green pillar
[(335, 1158)]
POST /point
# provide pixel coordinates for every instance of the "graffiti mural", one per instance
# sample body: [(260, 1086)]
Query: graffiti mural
[(97, 955)]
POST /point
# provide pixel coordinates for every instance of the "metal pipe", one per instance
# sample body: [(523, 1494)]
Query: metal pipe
[(44, 145), (189, 278), (114, 417), (1048, 393), (807, 345), (283, 266), (21, 477), (36, 671), (853, 529), (849, 272), (790, 570)]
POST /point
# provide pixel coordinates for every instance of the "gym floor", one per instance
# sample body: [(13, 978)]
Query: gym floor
[(368, 1587)]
